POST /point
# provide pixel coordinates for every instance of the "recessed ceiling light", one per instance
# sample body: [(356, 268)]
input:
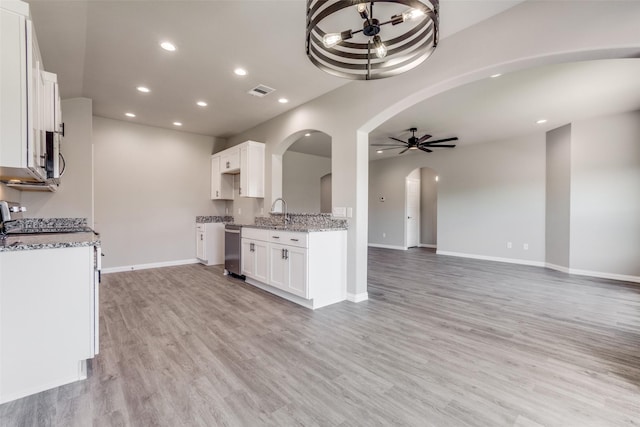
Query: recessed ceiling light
[(129, 114), (379, 151), (541, 121), (283, 100), (307, 134), (143, 89), (437, 178), (240, 72), (177, 124), (201, 104), (493, 76), (168, 46)]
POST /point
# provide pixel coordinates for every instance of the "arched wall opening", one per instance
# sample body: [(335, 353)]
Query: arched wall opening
[(299, 163)]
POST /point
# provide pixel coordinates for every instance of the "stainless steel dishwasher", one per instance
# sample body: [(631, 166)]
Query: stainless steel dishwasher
[(232, 250)]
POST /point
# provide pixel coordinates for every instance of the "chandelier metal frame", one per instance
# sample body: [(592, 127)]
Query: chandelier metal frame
[(373, 57)]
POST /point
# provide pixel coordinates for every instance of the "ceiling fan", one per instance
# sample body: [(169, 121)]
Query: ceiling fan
[(415, 143)]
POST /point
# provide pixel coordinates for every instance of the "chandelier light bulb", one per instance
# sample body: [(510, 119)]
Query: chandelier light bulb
[(380, 48), (362, 7), (331, 39), (412, 14)]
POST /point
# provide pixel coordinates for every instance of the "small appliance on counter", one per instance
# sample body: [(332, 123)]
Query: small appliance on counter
[(232, 250), (8, 208)]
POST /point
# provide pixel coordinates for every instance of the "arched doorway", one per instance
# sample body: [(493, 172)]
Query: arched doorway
[(304, 163)]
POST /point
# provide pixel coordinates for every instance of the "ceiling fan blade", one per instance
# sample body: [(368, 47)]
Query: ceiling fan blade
[(455, 138), (425, 149), (403, 150), (388, 145), (392, 148), (424, 138), (399, 140), (439, 146)]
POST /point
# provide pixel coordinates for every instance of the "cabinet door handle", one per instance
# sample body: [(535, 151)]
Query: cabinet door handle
[(217, 193), (282, 254), (294, 240), (252, 247), (201, 237), (275, 237), (239, 190), (286, 254), (227, 165)]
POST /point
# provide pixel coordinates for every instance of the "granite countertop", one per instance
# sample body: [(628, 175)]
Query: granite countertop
[(207, 219), (301, 222), (301, 228), (47, 233), (26, 242)]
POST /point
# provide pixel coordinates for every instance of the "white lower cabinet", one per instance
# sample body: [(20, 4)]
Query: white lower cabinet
[(306, 268), (254, 259), (210, 243), (288, 269), (49, 311)]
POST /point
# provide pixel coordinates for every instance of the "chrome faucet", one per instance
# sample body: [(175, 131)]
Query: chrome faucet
[(284, 209)]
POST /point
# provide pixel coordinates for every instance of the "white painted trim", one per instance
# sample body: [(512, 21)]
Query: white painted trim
[(428, 245), (150, 265), (493, 258), (560, 268), (358, 297), (377, 245), (601, 275)]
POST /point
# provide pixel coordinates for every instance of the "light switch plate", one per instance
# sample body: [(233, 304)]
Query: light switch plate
[(349, 212)]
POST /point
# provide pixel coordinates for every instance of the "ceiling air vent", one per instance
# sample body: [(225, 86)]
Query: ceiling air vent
[(261, 90)]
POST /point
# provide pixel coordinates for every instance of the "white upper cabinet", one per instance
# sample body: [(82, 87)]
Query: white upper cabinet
[(252, 169), (221, 184), (247, 160), (230, 161), (26, 92)]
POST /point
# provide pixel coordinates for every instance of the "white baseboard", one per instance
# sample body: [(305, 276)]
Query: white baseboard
[(560, 268), (601, 275), (377, 245), (493, 258), (428, 245), (563, 269), (147, 266), (358, 297)]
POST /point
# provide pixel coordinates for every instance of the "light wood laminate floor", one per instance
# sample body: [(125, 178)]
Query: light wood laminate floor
[(442, 341)]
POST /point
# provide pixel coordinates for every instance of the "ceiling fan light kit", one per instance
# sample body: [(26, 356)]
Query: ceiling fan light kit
[(386, 38), (415, 143)]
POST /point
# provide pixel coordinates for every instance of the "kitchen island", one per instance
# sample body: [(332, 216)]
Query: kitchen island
[(49, 275), (301, 258)]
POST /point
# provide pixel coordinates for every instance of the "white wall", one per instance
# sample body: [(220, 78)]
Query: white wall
[(150, 184), (558, 197), (605, 195), (325, 193), (74, 198), (428, 207), (301, 174), (9, 194), (488, 194)]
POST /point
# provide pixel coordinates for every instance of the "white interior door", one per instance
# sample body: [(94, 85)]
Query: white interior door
[(412, 224)]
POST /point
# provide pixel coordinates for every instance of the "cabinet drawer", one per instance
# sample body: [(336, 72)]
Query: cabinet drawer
[(289, 238), (256, 234)]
